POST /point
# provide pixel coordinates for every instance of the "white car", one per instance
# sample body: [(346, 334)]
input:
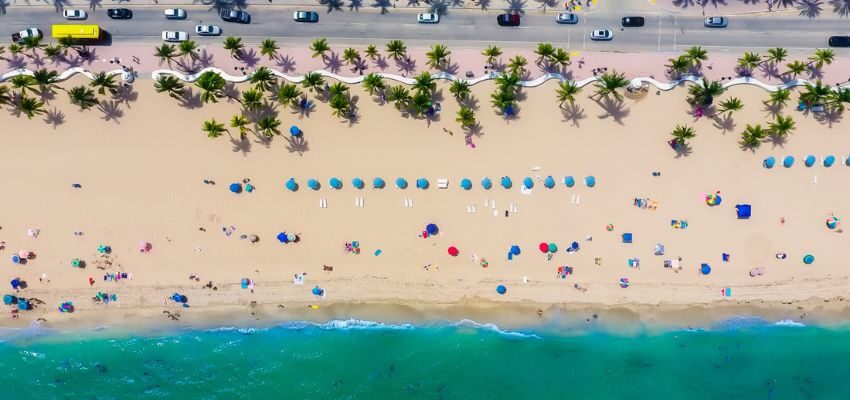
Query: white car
[(716, 22), (175, 36), (207, 30), (601, 34), (75, 14), (427, 18), (175, 13), (566, 18)]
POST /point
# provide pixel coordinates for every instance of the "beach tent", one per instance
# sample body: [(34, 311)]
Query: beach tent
[(313, 184), (810, 160), (506, 182), (769, 162), (828, 161), (401, 183), (590, 181), (453, 251), (236, 188), (515, 250), (378, 183), (335, 183), (788, 161), (432, 229), (486, 183), (291, 185), (501, 289), (549, 182), (528, 182), (744, 211), (282, 237), (357, 183), (570, 181), (295, 131), (544, 247), (705, 269), (466, 184), (422, 183)]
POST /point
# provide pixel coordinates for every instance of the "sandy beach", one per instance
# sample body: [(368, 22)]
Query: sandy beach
[(142, 171)]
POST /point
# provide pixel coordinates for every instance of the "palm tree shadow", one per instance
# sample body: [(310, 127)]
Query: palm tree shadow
[(841, 7), (333, 5), (408, 66), (285, 63), (205, 58), (770, 70), (772, 110), (47, 95), (382, 63), (451, 68), (384, 5), (333, 63), (190, 100), (230, 91), (573, 113), (3, 5), (475, 130), (94, 4), (483, 4), (354, 5), (516, 6), (304, 108), (828, 117), (353, 116), (297, 144), (240, 145), (125, 94), (470, 102), (250, 58), (16, 62), (614, 108), (683, 150), (111, 110), (547, 4), (54, 117), (725, 124), (59, 5), (815, 73), (778, 141), (810, 8)]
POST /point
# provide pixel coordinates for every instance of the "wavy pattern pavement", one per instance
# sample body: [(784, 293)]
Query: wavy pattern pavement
[(65, 75)]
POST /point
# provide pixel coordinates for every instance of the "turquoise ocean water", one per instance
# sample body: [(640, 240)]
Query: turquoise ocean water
[(742, 359)]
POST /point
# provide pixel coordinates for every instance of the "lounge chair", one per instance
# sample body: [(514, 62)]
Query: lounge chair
[(442, 183)]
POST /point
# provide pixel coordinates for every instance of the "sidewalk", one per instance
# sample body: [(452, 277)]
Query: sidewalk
[(725, 7)]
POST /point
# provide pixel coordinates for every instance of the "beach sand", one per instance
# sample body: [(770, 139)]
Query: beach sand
[(142, 171)]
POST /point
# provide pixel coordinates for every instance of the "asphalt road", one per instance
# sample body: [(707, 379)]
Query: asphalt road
[(473, 28)]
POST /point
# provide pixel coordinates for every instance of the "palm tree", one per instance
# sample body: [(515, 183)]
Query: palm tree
[(781, 127), (211, 85), (838, 97), (66, 43), (30, 106), (508, 82), (189, 48), (32, 44), (678, 66), (567, 92), (438, 56), (320, 47), (351, 56), (22, 83), (371, 51), (268, 48), (695, 56), (752, 136), (396, 49), (15, 49), (312, 80), (815, 94), (340, 105), (459, 89), (419, 103), (780, 97), (288, 94), (682, 133), (83, 97), (400, 95), (517, 65), (704, 93), (5, 95), (608, 83), (239, 121), (268, 126), (560, 58), (46, 80), (338, 89), (795, 68), (776, 55), (729, 105), (748, 62), (544, 51), (424, 83), (821, 57), (252, 99), (492, 53), (502, 99), (373, 82), (103, 82), (169, 84), (234, 45), (213, 129), (263, 79), (165, 53), (52, 52), (465, 117)]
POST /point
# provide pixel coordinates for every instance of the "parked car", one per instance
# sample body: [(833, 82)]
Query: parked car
[(241, 17), (427, 18), (601, 34), (716, 22), (566, 18), (119, 13), (18, 37), (633, 22), (175, 13), (175, 36), (207, 30), (508, 20), (305, 16), (75, 14), (839, 41)]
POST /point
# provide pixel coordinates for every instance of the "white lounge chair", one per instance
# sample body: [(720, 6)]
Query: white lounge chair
[(442, 183)]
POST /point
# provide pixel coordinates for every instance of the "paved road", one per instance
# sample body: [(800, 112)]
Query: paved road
[(469, 28)]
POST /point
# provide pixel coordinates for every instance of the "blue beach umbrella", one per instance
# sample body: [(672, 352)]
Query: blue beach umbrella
[(422, 183), (317, 291), (432, 229), (828, 161), (570, 181), (16, 283), (788, 161), (769, 162), (705, 269), (528, 182), (294, 131), (808, 259), (23, 305), (335, 183), (506, 182), (515, 250), (501, 289), (244, 283), (291, 185), (486, 183), (401, 183), (282, 237), (16, 259), (847, 161), (810, 160), (357, 183), (236, 188), (549, 182), (466, 184), (313, 184), (9, 299), (590, 181), (378, 183)]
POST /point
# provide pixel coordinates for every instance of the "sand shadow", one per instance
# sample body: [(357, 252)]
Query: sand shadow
[(725, 124), (239, 145), (190, 100), (54, 117), (111, 110), (828, 117), (778, 141), (297, 144), (771, 110), (573, 113), (125, 94), (614, 109)]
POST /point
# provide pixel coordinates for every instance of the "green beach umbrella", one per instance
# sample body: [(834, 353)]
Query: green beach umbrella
[(553, 247)]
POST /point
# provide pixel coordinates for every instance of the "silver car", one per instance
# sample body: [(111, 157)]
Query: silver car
[(601, 34), (175, 13), (566, 18), (207, 30), (716, 22), (75, 14), (174, 36), (427, 18)]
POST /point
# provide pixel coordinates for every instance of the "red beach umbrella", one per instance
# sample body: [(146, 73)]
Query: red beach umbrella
[(453, 251), (544, 247)]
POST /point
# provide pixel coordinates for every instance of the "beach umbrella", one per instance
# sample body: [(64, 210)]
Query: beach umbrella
[(75, 263), (528, 182), (401, 183), (335, 183), (145, 247), (466, 184), (16, 259), (236, 187), (544, 247), (291, 237), (23, 254), (552, 247), (282, 237), (291, 185), (515, 250), (769, 162), (828, 161), (832, 222), (506, 182), (357, 183), (422, 183), (253, 238), (788, 161), (244, 283), (501, 289), (847, 161), (808, 259), (810, 160), (23, 305), (713, 199), (294, 131), (574, 246), (705, 269), (104, 249), (378, 183), (570, 181), (453, 251), (486, 183), (9, 299), (590, 181), (432, 229), (317, 291), (549, 182), (624, 282), (313, 184), (16, 283)]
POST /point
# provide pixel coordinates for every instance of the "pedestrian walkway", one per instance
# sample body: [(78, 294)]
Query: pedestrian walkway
[(725, 7)]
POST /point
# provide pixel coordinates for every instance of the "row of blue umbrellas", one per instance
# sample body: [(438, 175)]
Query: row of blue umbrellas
[(422, 183), (809, 161)]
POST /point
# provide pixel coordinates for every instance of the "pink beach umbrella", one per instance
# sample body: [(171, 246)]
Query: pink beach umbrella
[(145, 247), (23, 254)]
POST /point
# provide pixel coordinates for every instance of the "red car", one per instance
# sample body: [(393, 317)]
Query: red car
[(508, 20)]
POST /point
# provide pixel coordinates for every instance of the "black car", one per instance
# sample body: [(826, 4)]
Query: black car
[(508, 20), (839, 41), (241, 17), (119, 13), (633, 22)]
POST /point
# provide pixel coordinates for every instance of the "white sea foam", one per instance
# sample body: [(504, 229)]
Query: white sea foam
[(788, 322), (345, 325), (491, 327)]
